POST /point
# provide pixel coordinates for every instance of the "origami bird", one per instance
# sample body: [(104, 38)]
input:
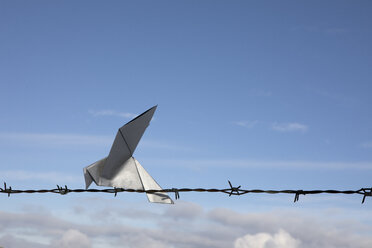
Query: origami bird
[(120, 169)]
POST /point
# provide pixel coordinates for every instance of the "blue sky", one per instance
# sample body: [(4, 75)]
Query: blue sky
[(267, 94)]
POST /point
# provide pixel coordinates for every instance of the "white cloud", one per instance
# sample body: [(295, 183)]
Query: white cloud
[(24, 175), (281, 127), (336, 30), (185, 211), (12, 241), (247, 124), (108, 112), (247, 164), (289, 127), (367, 145), (163, 145), (58, 139), (55, 139), (335, 96), (281, 239), (72, 238), (260, 93), (318, 29)]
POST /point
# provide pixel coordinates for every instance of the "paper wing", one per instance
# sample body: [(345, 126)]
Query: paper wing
[(125, 143), (132, 131), (149, 183)]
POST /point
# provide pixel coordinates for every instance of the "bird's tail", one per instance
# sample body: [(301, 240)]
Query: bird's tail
[(93, 172)]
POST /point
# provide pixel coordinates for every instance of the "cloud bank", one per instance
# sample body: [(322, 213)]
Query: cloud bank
[(184, 225)]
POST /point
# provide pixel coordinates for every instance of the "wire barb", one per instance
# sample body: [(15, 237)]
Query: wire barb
[(297, 195), (6, 190), (63, 191), (234, 190), (366, 192), (176, 193)]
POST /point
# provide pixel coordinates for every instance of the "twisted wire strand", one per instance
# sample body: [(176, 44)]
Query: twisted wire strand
[(230, 191)]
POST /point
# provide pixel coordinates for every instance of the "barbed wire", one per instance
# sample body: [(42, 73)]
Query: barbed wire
[(236, 191)]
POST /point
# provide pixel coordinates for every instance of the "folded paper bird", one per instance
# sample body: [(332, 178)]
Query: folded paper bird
[(120, 169)]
